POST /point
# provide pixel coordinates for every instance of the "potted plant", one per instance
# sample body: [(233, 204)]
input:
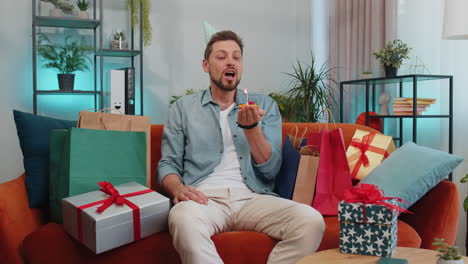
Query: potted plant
[(392, 55), (134, 6), (448, 254), (187, 92), (67, 58), (366, 75), (283, 104), (83, 6), (465, 202), (309, 93), (119, 41)]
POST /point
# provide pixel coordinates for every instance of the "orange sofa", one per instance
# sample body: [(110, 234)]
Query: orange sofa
[(26, 236)]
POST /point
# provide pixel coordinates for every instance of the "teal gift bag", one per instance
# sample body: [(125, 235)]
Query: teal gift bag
[(80, 158)]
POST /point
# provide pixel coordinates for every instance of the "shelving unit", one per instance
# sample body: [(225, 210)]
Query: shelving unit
[(415, 79), (95, 24), (119, 53)]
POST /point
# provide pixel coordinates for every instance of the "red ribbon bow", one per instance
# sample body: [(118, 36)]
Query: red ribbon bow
[(115, 196), (370, 194), (364, 146), (118, 199)]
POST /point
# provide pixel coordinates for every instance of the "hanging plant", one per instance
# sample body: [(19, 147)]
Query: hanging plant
[(134, 6)]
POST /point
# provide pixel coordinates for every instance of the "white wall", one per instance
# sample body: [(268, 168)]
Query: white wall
[(420, 25), (275, 34), (15, 79)]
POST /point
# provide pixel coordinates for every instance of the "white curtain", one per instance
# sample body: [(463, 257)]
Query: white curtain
[(357, 29)]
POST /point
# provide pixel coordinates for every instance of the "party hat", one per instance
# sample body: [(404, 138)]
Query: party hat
[(209, 31)]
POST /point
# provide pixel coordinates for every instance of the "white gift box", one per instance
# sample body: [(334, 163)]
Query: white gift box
[(115, 226)]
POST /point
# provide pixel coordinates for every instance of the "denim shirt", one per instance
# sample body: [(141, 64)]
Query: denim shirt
[(192, 143)]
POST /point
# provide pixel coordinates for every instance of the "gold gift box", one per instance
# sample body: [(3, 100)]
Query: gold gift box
[(380, 146)]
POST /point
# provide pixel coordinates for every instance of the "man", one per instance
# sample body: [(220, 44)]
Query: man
[(219, 163)]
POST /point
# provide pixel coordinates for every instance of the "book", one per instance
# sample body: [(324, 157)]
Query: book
[(405, 113), (419, 101), (386, 260), (405, 109), (411, 99)]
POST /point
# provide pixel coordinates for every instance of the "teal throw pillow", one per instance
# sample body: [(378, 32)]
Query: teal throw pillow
[(34, 138), (411, 171)]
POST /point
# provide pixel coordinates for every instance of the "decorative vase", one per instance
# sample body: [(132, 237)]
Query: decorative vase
[(66, 81), (443, 261), (390, 71), (119, 44), (55, 12), (82, 14), (384, 101)]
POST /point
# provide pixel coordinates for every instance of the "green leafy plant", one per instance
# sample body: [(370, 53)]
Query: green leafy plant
[(447, 252), (176, 97), (310, 91), (67, 58), (82, 5), (465, 202), (134, 6), (393, 53), (283, 103)]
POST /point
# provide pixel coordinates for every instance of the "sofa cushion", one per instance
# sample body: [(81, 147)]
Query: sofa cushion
[(236, 247), (17, 220), (34, 138), (411, 171), (233, 247), (443, 199)]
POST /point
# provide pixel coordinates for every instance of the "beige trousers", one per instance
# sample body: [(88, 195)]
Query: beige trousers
[(298, 227)]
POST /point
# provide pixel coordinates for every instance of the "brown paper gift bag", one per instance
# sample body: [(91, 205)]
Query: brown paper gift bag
[(304, 188), (119, 122), (297, 138)]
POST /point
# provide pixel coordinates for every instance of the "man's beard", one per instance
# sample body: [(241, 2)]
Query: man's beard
[(220, 84)]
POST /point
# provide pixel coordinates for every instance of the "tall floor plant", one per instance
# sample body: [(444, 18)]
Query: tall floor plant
[(309, 92)]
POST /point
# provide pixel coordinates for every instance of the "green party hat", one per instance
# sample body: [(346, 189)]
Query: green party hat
[(209, 31)]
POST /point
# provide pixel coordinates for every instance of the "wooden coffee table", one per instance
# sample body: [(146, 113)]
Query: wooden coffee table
[(413, 255)]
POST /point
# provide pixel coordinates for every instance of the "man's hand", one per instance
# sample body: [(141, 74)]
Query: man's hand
[(186, 193), (259, 146), (249, 115), (180, 192)]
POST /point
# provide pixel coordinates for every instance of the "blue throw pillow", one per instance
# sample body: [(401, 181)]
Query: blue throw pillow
[(34, 138), (411, 171)]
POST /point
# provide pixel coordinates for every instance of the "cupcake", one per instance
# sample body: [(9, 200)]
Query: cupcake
[(252, 103)]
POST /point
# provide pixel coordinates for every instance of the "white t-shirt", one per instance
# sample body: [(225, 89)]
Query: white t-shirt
[(227, 174)]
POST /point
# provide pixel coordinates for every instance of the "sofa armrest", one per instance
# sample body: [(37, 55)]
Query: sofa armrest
[(436, 214), (17, 220)]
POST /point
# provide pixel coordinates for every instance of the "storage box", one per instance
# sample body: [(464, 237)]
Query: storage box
[(118, 224), (368, 229), (376, 148)]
